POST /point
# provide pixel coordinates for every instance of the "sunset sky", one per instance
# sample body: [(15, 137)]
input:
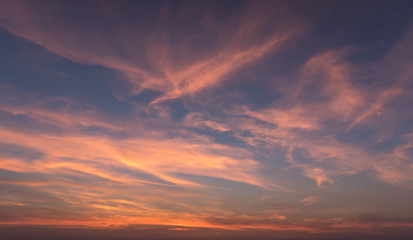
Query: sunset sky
[(206, 119)]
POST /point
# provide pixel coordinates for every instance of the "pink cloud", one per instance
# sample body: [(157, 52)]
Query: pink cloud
[(310, 200), (172, 68)]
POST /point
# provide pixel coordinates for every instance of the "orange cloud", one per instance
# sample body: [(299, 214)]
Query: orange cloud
[(152, 170), (133, 180)]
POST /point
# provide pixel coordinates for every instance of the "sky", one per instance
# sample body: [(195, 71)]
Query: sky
[(206, 119)]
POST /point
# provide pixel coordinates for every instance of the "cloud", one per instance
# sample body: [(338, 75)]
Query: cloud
[(310, 200), (176, 155), (397, 166), (341, 96), (196, 153), (310, 122), (124, 179), (149, 57)]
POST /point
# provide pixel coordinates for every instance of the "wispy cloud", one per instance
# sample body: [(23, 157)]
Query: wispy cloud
[(309, 200), (194, 143), (157, 62)]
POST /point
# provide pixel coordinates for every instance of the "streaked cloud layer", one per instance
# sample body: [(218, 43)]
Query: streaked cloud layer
[(187, 115)]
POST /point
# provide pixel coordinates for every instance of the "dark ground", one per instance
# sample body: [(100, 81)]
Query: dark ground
[(53, 233)]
